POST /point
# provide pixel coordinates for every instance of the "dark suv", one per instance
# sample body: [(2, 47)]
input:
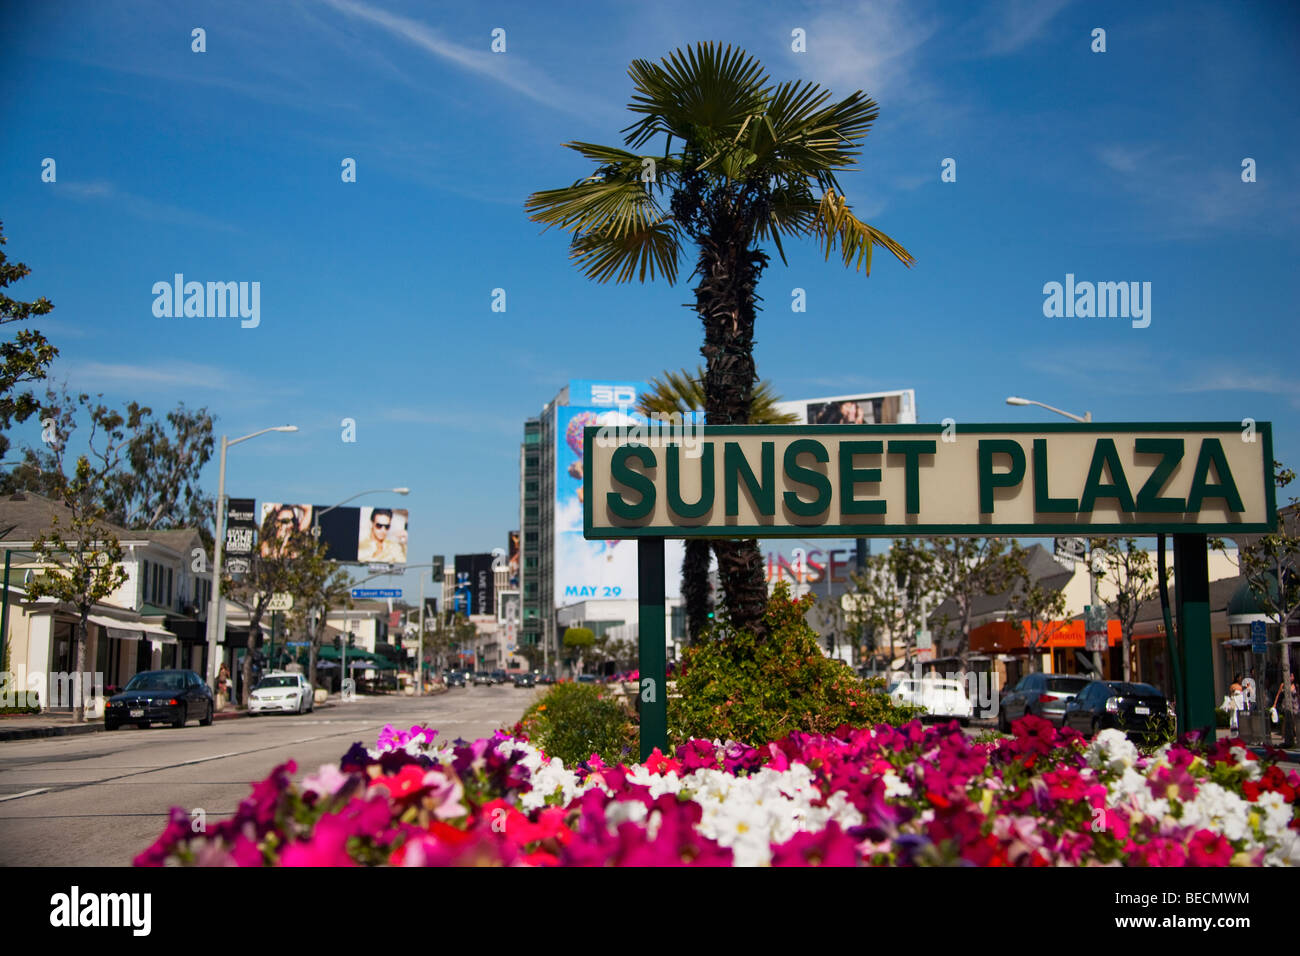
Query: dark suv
[(1043, 695)]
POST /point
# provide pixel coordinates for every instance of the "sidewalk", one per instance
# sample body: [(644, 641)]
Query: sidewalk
[(62, 725)]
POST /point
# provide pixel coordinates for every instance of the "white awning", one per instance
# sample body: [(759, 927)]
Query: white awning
[(158, 634), (120, 630)]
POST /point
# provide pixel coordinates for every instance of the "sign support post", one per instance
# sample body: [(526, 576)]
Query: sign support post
[(651, 639), (1192, 583)]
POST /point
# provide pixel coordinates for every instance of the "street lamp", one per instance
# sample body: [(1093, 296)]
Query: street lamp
[(1013, 400), (214, 610), (1092, 575)]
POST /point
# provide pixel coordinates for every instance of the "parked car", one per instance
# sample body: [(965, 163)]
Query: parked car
[(586, 679), (1043, 695), (525, 680), (546, 678), (171, 696), (280, 691), (481, 677), (940, 697), (1136, 709)]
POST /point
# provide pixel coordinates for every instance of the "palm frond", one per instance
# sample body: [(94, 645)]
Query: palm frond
[(835, 225), (636, 253), (702, 95), (680, 392)]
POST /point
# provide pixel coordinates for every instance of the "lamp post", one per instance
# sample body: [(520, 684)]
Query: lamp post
[(1092, 574), (215, 608)]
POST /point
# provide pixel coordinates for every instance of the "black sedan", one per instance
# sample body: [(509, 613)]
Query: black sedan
[(524, 680), (1137, 709), (455, 678), (161, 697)]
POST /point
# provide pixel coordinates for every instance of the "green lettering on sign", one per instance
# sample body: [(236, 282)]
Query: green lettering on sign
[(735, 468), (1171, 452), (675, 503), (1105, 455), (622, 473), (912, 452), (851, 477), (991, 480), (802, 475), (1044, 503), (1212, 454)]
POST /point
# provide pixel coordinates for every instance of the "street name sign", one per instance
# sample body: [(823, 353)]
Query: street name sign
[(361, 593), (892, 480)]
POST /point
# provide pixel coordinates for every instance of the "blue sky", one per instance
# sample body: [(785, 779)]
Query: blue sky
[(376, 295)]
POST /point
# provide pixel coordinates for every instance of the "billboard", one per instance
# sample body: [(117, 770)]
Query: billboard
[(352, 535), (512, 559), (241, 533), (382, 535), (871, 408), (475, 583), (595, 570)]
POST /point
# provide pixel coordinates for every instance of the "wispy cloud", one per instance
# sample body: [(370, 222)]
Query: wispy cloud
[(506, 69), (1014, 24), (142, 207)]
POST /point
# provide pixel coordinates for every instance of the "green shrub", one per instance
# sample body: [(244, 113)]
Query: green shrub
[(735, 687), (573, 721)]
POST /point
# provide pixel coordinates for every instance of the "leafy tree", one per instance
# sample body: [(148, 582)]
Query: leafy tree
[(1271, 565), (966, 569), (1041, 608), (154, 481), (743, 162), (1131, 571), (273, 567), (891, 595), (681, 393), (85, 555), (27, 357), (579, 639), (317, 585)]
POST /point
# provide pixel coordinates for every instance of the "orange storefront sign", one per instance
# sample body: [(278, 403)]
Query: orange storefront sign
[(1001, 637)]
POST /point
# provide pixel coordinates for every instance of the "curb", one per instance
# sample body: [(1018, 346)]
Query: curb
[(72, 730)]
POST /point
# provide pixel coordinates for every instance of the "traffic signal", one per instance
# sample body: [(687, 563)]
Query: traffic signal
[(438, 566)]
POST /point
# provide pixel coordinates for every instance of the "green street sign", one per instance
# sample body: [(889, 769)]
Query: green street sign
[(916, 480)]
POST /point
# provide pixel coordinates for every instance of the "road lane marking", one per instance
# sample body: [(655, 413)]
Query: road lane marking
[(25, 793)]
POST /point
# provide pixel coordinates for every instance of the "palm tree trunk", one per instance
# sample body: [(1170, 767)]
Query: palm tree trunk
[(695, 587), (726, 301)]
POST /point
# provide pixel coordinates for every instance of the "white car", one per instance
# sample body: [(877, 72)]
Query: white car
[(282, 693), (938, 696)]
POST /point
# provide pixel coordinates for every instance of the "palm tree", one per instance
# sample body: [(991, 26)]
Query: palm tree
[(683, 393), (744, 162)]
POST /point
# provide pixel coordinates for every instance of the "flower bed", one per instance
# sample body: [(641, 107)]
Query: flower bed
[(910, 795)]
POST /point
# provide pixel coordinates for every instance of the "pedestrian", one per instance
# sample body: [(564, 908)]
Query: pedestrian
[(1288, 714), (223, 685)]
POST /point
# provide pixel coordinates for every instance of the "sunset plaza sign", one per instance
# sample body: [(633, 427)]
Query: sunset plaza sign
[(896, 480), (807, 481)]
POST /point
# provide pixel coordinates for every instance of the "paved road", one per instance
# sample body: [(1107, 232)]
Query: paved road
[(102, 798)]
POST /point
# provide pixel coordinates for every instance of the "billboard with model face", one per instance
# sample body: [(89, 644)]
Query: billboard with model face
[(372, 535), (870, 408)]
